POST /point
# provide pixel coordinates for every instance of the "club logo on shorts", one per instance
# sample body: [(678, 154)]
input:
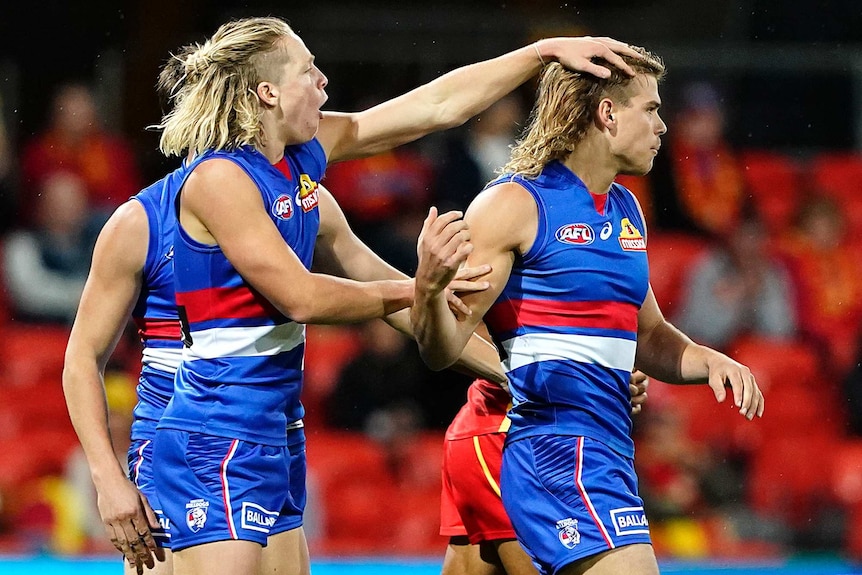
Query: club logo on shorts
[(631, 240), (630, 520), (282, 207), (569, 535), (257, 518), (577, 234), (196, 514)]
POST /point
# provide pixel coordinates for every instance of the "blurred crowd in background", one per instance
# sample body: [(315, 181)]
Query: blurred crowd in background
[(753, 250)]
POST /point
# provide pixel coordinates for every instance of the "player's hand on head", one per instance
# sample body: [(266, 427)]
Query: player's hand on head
[(444, 244), (638, 384), (577, 54)]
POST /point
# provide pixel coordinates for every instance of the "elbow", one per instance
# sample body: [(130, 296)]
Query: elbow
[(301, 313), (437, 360)]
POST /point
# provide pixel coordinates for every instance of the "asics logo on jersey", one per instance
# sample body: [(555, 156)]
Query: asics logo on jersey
[(577, 234), (282, 207), (170, 254), (607, 229)]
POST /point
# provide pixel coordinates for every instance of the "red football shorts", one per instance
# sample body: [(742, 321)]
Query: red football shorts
[(470, 502)]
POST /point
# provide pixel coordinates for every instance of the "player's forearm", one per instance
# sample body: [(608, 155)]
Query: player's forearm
[(436, 331), (457, 96), (668, 355), (330, 299), (480, 359), (88, 410)]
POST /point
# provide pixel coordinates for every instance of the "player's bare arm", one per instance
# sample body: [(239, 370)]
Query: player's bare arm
[(339, 251), (107, 300), (238, 223), (457, 96), (669, 355), (502, 222)]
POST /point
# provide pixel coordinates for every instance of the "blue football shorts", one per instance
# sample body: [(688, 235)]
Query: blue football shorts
[(140, 459), (569, 498), (215, 488)]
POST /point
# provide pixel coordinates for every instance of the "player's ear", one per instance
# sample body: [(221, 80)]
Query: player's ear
[(605, 115), (267, 92)]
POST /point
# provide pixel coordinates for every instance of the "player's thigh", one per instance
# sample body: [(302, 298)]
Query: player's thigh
[(165, 567), (637, 559), (462, 558), (233, 557), (514, 559), (286, 553)]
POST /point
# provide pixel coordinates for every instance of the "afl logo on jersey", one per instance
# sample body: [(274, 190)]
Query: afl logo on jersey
[(578, 234), (282, 207)]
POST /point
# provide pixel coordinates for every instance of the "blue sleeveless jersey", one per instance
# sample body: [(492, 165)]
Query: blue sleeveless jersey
[(241, 373), (155, 312), (566, 321)]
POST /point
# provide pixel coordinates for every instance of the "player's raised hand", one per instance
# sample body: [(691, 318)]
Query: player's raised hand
[(444, 244)]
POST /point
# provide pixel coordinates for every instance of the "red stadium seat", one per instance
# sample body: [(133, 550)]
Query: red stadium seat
[(30, 353), (670, 255), (787, 475), (773, 180), (327, 350), (778, 362), (837, 174), (846, 477)]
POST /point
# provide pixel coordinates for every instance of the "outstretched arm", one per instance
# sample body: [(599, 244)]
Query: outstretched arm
[(110, 292), (454, 98), (341, 252), (502, 221), (669, 355)]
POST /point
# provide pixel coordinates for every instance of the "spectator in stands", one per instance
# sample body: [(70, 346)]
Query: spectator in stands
[(737, 288), (697, 184), (384, 197), (45, 265), (826, 268), (473, 154), (75, 141), (382, 387)]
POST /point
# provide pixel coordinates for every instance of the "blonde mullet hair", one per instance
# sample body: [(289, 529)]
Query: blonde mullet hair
[(211, 88), (565, 107)]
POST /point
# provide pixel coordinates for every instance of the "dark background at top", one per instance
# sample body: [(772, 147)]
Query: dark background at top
[(49, 42)]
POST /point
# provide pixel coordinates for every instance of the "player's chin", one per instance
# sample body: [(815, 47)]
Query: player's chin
[(639, 169)]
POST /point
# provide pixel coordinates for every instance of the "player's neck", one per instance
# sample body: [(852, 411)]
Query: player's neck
[(592, 163)]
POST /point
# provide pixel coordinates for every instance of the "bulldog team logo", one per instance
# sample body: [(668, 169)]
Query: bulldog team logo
[(309, 196), (568, 532), (196, 514), (577, 234), (631, 240), (282, 207)]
